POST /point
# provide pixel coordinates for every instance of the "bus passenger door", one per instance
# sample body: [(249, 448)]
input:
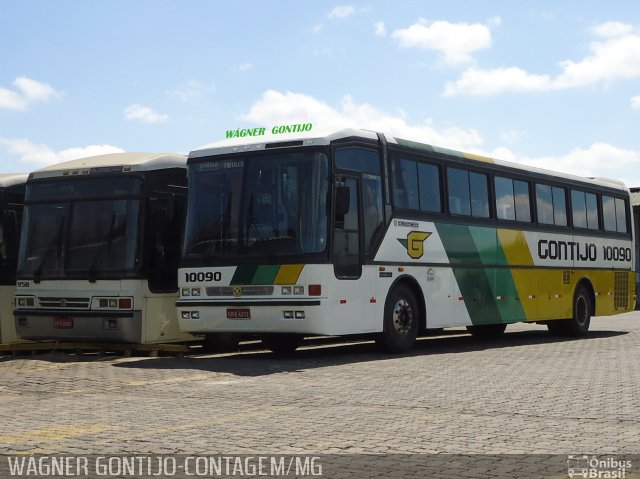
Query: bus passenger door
[(347, 263)]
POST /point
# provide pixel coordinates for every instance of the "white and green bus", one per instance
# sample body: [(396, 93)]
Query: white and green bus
[(357, 232), (11, 203), (99, 250)]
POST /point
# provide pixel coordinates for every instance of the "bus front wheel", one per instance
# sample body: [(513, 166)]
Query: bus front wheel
[(578, 324), (401, 320), (283, 343)]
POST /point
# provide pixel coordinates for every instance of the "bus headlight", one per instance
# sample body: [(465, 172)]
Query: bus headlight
[(112, 303), (25, 301), (185, 292)]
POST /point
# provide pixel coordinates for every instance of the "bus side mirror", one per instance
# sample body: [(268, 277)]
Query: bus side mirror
[(343, 200)]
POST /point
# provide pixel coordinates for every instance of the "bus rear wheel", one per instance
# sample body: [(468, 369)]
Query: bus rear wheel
[(578, 325), (487, 330), (401, 320), (282, 343)]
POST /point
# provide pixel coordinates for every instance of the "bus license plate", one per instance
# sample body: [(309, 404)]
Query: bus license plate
[(63, 323), (238, 313)]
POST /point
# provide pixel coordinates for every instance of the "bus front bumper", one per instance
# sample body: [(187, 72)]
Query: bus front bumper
[(303, 317), (94, 326)]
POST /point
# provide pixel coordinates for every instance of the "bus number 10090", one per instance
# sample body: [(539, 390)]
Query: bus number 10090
[(201, 277)]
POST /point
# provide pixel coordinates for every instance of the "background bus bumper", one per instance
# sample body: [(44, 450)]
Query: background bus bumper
[(95, 326)]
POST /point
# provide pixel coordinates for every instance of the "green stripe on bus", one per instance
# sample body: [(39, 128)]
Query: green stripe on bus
[(510, 307), (265, 274), (244, 274), (474, 284)]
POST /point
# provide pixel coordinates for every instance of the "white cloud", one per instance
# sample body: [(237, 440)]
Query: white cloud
[(341, 11), (27, 91), (278, 108), (455, 41), (598, 160), (317, 28), (245, 66), (192, 90), (144, 114), (41, 155), (635, 102), (283, 108), (379, 29), (474, 81), (612, 29), (615, 55)]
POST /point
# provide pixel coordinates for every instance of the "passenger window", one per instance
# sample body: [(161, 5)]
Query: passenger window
[(552, 206), (405, 184), (621, 215), (468, 193), (609, 213), (559, 206), (544, 204), (458, 185), (578, 209), (505, 203), (523, 207), (429, 183), (584, 209), (479, 195), (592, 211)]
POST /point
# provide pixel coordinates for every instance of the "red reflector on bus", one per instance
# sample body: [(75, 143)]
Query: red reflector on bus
[(315, 290), (124, 303), (343, 301)]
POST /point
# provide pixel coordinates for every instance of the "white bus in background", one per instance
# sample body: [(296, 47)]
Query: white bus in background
[(99, 250), (11, 202)]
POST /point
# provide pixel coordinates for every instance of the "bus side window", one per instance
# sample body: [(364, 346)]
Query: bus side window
[(544, 203)]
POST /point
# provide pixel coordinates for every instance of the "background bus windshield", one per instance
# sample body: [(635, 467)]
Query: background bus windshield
[(80, 228), (257, 206)]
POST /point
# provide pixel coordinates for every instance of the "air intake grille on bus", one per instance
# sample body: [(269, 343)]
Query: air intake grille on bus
[(621, 290)]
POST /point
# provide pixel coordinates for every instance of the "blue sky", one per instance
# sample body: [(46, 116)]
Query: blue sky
[(551, 84)]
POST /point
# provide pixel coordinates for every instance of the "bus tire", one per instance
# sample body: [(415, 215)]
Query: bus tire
[(221, 342), (578, 325), (283, 343), (401, 321), (487, 330)]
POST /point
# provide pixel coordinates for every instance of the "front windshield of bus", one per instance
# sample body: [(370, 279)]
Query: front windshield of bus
[(257, 206), (80, 228)]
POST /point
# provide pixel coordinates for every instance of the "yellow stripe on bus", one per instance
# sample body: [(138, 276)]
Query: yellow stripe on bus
[(288, 274), (471, 156), (516, 251), (515, 247)]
